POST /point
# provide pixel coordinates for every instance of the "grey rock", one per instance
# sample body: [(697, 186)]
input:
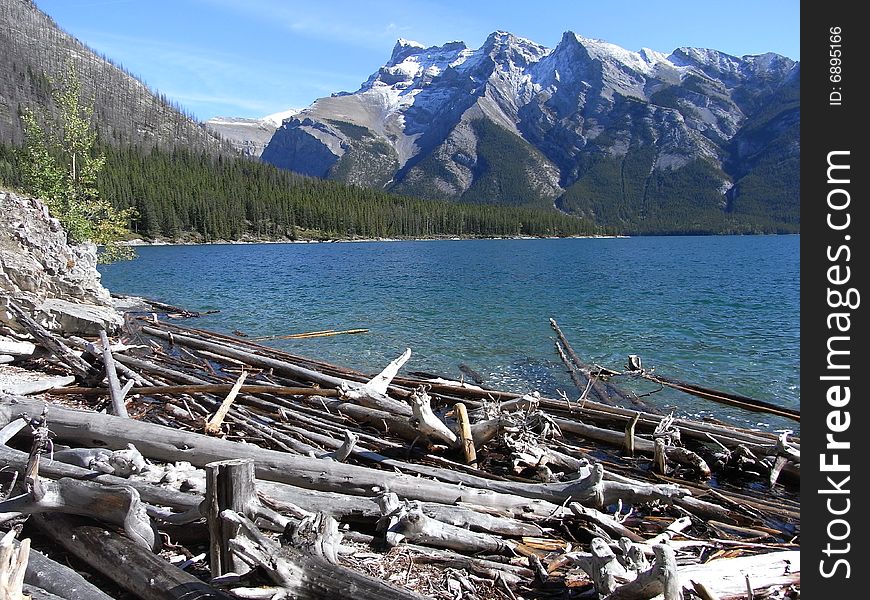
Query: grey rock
[(38, 265), (80, 319)]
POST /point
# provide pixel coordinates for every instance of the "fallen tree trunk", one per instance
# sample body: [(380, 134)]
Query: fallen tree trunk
[(118, 505), (307, 576), (169, 444), (132, 567), (25, 388), (152, 494), (51, 343), (60, 580), (726, 577)]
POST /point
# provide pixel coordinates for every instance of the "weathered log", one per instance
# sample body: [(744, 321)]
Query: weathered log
[(122, 463), (118, 505), (616, 439), (307, 576), (15, 348), (60, 580), (605, 521), (115, 393), (13, 565), (25, 388), (661, 578), (213, 426), (725, 577), (254, 360), (11, 429), (403, 520), (606, 572), (342, 452), (629, 435), (127, 564), (207, 388), (426, 422), (163, 443), (465, 436), (728, 398), (229, 486), (670, 531), (355, 508), (52, 343), (605, 391), (97, 353), (509, 574)]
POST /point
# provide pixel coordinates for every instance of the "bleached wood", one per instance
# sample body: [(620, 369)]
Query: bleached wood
[(118, 505), (115, 393)]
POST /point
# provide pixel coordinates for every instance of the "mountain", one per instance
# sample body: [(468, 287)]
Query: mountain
[(694, 140), (249, 136), (34, 53)]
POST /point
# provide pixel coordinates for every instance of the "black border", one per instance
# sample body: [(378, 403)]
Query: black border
[(826, 128)]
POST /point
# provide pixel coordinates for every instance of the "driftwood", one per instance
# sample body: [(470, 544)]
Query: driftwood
[(119, 506), (306, 576), (728, 398), (726, 577), (600, 389), (115, 391), (298, 428), (13, 565), (52, 343), (163, 443), (213, 426), (124, 562), (16, 460), (15, 348), (122, 463), (661, 578), (59, 580), (230, 486), (38, 386), (425, 421), (465, 436), (403, 521)]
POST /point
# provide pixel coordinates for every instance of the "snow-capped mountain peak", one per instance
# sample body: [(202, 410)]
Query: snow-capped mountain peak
[(423, 122)]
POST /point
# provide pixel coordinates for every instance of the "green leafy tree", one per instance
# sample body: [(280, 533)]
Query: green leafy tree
[(62, 165)]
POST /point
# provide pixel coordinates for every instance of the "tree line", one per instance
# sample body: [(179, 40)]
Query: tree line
[(183, 194)]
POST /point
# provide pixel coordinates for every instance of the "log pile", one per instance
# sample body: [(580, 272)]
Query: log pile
[(188, 464)]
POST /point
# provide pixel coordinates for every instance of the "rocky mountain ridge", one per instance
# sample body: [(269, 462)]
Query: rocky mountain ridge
[(34, 56), (249, 136), (630, 139)]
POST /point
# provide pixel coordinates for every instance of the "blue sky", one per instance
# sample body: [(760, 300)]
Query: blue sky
[(251, 58)]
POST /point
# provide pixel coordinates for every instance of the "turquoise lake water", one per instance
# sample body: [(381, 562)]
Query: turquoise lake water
[(718, 311)]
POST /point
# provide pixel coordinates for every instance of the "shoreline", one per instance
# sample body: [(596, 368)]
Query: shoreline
[(139, 242)]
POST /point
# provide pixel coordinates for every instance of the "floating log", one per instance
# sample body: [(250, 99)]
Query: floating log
[(309, 334), (728, 398)]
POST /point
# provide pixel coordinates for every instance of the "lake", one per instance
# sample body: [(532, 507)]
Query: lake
[(718, 311)]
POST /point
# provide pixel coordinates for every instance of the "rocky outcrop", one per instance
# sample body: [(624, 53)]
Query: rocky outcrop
[(58, 283)]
